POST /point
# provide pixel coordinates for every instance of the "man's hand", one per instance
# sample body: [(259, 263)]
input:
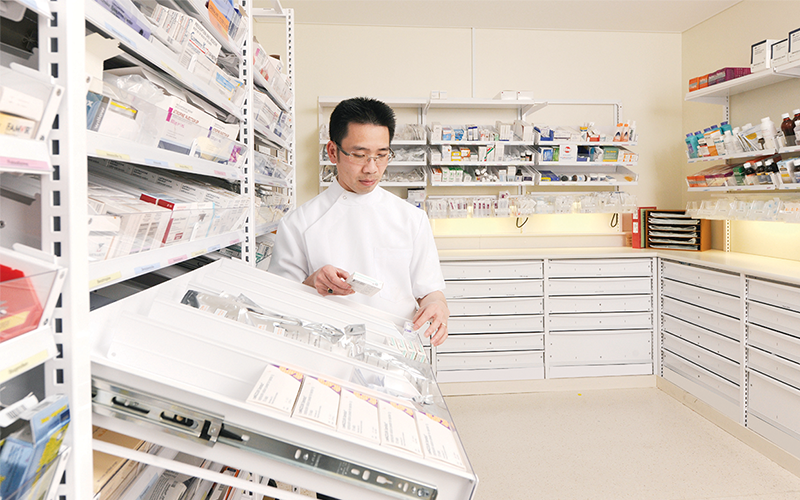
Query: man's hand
[(433, 308), (329, 280)]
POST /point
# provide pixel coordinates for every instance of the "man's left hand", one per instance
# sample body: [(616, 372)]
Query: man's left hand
[(433, 308)]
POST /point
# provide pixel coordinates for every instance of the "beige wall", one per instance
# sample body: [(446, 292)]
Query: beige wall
[(725, 40)]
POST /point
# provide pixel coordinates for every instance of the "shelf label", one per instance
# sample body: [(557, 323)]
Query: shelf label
[(233, 242), (199, 252), (184, 166), (18, 163), (121, 36), (157, 163), (214, 248), (146, 269), (200, 90), (12, 321), (23, 365), (111, 154), (220, 173), (175, 260), (172, 70), (105, 279)]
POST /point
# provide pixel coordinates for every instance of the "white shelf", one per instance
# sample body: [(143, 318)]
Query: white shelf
[(266, 228), (385, 184), (391, 164), (482, 163), (791, 69), (482, 143), (726, 189), (480, 103), (616, 170), (113, 148), (106, 272), (271, 181), (551, 164), (197, 9), (24, 156), (266, 87), (26, 351), (789, 150), (584, 143), (166, 62), (746, 154), (404, 142), (270, 136), (38, 6), (719, 93), (481, 184), (393, 102)]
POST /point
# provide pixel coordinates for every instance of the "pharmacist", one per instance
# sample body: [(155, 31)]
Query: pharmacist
[(356, 226)]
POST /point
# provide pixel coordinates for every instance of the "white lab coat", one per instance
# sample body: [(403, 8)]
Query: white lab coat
[(376, 234)]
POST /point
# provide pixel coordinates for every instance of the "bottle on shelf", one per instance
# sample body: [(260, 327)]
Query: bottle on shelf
[(769, 133), (725, 127), (691, 145), (772, 172), (750, 174), (730, 142), (702, 148), (787, 127), (737, 142), (761, 173)]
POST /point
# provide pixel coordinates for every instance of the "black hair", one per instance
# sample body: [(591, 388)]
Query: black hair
[(364, 110)]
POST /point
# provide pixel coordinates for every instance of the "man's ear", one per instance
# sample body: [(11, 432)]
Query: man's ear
[(332, 151)]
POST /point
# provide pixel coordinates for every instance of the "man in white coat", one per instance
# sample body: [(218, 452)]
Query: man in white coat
[(356, 226)]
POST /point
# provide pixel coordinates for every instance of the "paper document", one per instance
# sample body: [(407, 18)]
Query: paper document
[(358, 415), (277, 388), (398, 427), (438, 439), (318, 401)]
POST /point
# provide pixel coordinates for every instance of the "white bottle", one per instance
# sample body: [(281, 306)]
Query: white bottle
[(737, 141), (730, 143), (768, 131)]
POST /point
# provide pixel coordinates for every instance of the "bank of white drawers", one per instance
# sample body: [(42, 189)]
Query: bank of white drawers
[(702, 334), (599, 317), (773, 348), (496, 321)]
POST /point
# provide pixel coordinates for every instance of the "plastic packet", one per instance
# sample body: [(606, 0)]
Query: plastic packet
[(219, 306)]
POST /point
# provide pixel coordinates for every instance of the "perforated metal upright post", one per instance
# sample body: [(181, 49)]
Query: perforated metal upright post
[(248, 185), (64, 233), (290, 62)]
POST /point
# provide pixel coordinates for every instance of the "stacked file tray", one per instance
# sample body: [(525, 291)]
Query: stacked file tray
[(674, 230)]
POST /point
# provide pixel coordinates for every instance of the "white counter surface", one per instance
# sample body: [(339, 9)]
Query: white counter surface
[(751, 265)]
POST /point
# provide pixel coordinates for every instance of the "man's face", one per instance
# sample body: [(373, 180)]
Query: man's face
[(362, 140)]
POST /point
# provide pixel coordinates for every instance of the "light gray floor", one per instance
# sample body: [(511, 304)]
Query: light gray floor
[(608, 444)]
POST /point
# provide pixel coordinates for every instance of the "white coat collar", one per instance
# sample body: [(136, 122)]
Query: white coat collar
[(340, 195)]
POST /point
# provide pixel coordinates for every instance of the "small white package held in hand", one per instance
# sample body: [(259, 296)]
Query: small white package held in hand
[(364, 284)]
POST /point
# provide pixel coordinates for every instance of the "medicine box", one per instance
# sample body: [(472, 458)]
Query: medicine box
[(760, 55), (779, 52), (794, 45), (702, 82), (694, 84)]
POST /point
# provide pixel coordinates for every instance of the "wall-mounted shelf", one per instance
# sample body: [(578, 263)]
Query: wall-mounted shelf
[(584, 143), (618, 172), (550, 164), (737, 156), (482, 143), (481, 163), (266, 87), (24, 156), (719, 93)]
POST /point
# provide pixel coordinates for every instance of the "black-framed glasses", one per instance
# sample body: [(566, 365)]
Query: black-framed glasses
[(361, 159)]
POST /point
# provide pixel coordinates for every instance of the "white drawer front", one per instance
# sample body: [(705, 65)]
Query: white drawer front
[(701, 376), (502, 306), (493, 342), (599, 286), (567, 268), (600, 321), (600, 347), (494, 288), (496, 269), (723, 367), (778, 343), (706, 278), (707, 299), (774, 317), (724, 325), (779, 368), (603, 303), (785, 296), (496, 324), (775, 402), (488, 361), (723, 346)]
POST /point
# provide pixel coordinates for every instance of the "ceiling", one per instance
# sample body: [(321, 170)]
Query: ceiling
[(652, 16)]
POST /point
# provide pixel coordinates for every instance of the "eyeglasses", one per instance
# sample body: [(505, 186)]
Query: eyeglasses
[(361, 159)]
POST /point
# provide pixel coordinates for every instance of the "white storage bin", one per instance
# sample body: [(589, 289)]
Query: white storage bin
[(706, 278), (495, 306), (774, 317), (604, 303), (785, 296), (707, 299), (600, 321), (600, 347), (599, 286), (489, 361), (494, 288), (493, 342), (714, 342), (784, 370), (568, 268), (723, 367), (496, 324), (778, 343), (719, 323), (496, 269)]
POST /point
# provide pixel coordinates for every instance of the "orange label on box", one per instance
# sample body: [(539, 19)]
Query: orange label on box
[(218, 20), (12, 321)]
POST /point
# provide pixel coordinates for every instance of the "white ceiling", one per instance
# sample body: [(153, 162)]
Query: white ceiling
[(654, 16)]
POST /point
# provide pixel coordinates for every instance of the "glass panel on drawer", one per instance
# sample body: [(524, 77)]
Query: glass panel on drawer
[(719, 323), (599, 286), (706, 278), (774, 317), (604, 303), (495, 324), (702, 297), (775, 402), (774, 294), (465, 270), (494, 288), (488, 361), (723, 367), (600, 347), (778, 343), (769, 364), (599, 321), (502, 306), (714, 342), (493, 342), (577, 268)]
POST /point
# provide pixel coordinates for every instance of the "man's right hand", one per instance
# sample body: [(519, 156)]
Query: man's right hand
[(330, 280)]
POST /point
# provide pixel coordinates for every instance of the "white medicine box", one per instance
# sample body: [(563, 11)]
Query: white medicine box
[(568, 153), (780, 53), (794, 45), (760, 55)]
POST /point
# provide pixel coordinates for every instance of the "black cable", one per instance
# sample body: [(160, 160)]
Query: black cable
[(614, 220), (519, 226)]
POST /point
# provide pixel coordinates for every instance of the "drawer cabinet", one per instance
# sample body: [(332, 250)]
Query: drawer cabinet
[(708, 299), (600, 347), (493, 342), (496, 269), (599, 321), (600, 303), (489, 361), (774, 294), (600, 268), (719, 365), (712, 341), (775, 411), (496, 324), (719, 281), (495, 306), (718, 323), (776, 318), (598, 286), (458, 289)]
